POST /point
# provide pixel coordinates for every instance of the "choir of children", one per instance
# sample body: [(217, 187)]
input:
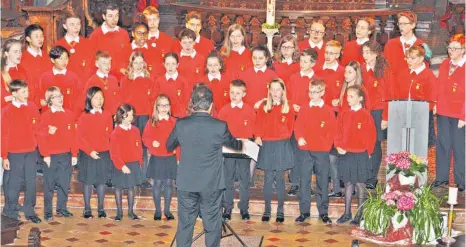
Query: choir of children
[(306, 111)]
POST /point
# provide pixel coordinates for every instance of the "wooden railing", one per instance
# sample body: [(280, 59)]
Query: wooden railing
[(340, 24)]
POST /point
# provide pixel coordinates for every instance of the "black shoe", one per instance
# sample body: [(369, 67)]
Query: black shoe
[(109, 184), (102, 214), (87, 214), (325, 219), (133, 216), (302, 217), (436, 184), (266, 217), (461, 189), (356, 221), (245, 215), (48, 216), (64, 212), (169, 216), (227, 214), (344, 218), (370, 186), (335, 195), (146, 185), (293, 190), (157, 216), (280, 218), (34, 219), (312, 193), (118, 217)]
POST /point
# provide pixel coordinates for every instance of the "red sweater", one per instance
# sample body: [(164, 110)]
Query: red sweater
[(378, 89), (333, 81), (15, 73), (356, 131), (422, 86), (351, 52), (257, 84), (237, 63), (179, 92), (109, 86), (220, 89), (451, 91), (82, 61), (114, 43), (285, 71), (94, 130), (159, 133), (35, 67), (204, 47), (192, 68), (304, 44), (139, 93), (163, 44), (317, 125), (64, 139), (69, 84), (394, 54), (344, 101), (125, 146), (274, 125), (240, 120), (298, 88), (19, 128)]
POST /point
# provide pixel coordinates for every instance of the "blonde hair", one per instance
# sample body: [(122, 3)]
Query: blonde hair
[(155, 113), (284, 101), (49, 93), (334, 43), (287, 38), (358, 81), (226, 47), (133, 57)]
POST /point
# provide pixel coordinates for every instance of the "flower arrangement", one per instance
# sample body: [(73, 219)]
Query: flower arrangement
[(405, 163), (267, 26)]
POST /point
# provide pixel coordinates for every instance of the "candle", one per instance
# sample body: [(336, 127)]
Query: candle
[(452, 195), (270, 12)]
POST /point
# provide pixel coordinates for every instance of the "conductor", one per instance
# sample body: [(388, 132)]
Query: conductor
[(200, 179)]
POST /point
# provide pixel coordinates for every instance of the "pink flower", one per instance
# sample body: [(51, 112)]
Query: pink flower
[(403, 164), (389, 196), (390, 202), (405, 203), (391, 159), (410, 195)]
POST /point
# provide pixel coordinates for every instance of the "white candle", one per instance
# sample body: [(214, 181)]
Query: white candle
[(452, 195), (270, 12)]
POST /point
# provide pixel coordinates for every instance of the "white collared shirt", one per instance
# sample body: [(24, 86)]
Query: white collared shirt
[(198, 39), (34, 53), (217, 76), (19, 104), (240, 50), (418, 70), (239, 105), (260, 69), (356, 108), (94, 111), (163, 117), (314, 45), (310, 75), (362, 41), (155, 35), (320, 104), (287, 60), (101, 75), (58, 72), (106, 29), (460, 63), (136, 75), (8, 67), (53, 109), (333, 66), (409, 42), (70, 39), (183, 54), (174, 76), (125, 127), (368, 68), (134, 46)]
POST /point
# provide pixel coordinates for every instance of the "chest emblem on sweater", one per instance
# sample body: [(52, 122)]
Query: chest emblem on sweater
[(148, 92), (322, 124), (68, 90), (225, 93), (114, 93), (84, 63), (137, 143), (376, 83), (150, 67), (153, 45), (418, 86), (197, 70), (178, 92), (242, 67), (69, 126), (33, 120), (106, 129), (245, 122), (359, 125), (453, 89), (283, 119), (338, 83)]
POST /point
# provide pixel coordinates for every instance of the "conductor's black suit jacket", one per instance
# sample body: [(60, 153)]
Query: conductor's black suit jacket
[(201, 138)]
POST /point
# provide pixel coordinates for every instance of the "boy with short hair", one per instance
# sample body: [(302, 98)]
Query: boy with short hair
[(316, 40), (192, 63), (315, 130), (156, 38), (202, 44), (240, 118), (20, 120)]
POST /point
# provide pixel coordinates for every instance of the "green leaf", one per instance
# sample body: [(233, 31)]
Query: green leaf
[(399, 219)]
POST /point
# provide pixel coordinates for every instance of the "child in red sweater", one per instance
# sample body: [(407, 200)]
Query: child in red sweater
[(236, 54), (57, 144), (11, 69), (126, 154), (202, 44), (240, 118), (315, 129), (191, 62), (156, 38), (287, 58), (353, 76), (299, 82), (365, 27), (93, 136), (163, 164), (20, 121), (217, 80), (354, 142), (316, 40)]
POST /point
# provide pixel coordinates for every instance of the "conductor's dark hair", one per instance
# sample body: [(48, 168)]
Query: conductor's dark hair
[(91, 92), (57, 51), (16, 85), (122, 113), (201, 98)]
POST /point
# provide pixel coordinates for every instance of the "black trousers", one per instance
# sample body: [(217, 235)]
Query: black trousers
[(319, 162), (140, 122), (294, 173), (59, 173), (22, 170), (209, 203), (376, 157), (237, 168), (450, 142)]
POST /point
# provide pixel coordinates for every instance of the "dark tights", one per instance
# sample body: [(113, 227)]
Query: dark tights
[(167, 194), (87, 191), (362, 196), (119, 199)]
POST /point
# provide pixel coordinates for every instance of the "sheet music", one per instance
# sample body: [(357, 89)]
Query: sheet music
[(250, 149)]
